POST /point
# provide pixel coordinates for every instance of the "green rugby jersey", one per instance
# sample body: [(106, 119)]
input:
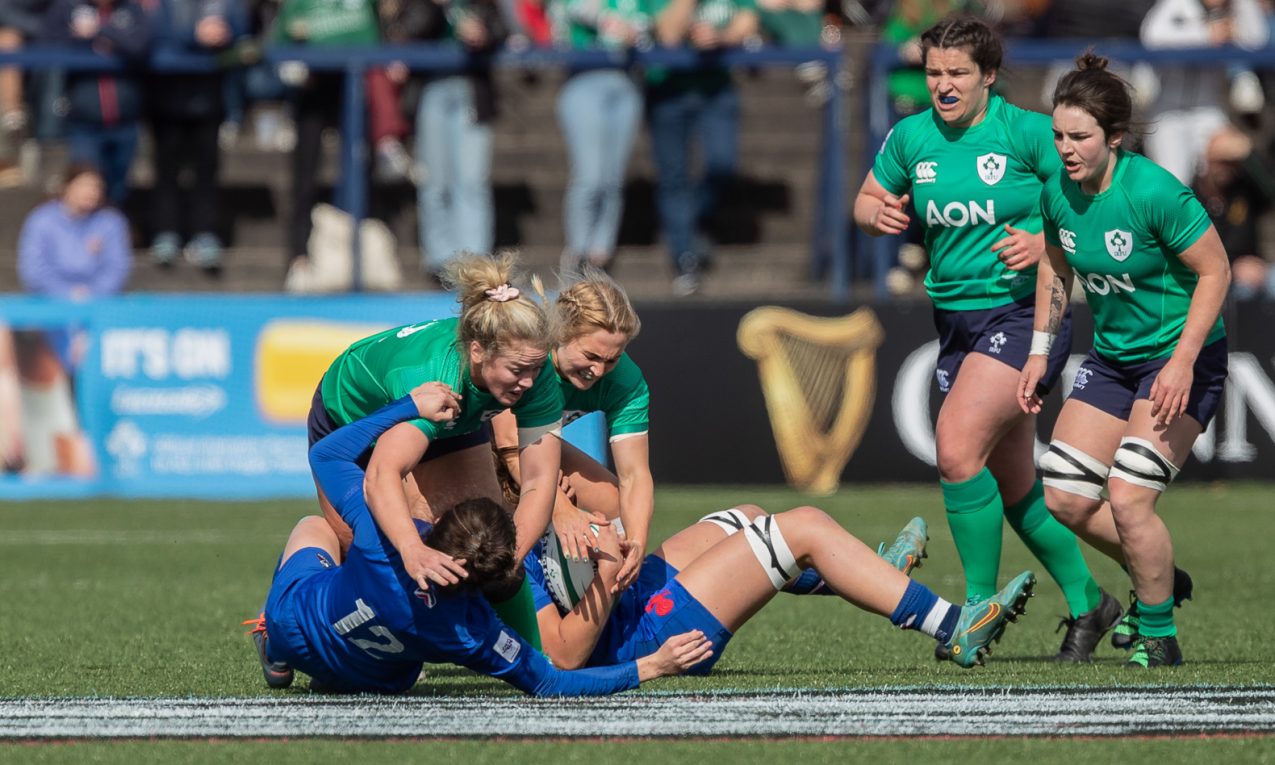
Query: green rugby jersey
[(967, 183), (387, 366), (621, 393), (1123, 245)]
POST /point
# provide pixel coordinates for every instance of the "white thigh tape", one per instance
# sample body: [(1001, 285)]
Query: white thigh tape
[(731, 520), (1138, 462), (1066, 468), (771, 550)]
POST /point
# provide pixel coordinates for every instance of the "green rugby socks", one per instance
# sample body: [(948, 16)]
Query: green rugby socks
[(1156, 621), (519, 612), (974, 514), (1056, 547)]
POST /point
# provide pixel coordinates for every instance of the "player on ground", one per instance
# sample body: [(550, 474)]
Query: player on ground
[(974, 165), (365, 625), (596, 323), (714, 576), (493, 356), (1155, 275)]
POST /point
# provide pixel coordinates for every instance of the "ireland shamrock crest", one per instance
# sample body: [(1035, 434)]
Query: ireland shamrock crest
[(991, 168), (1119, 244)]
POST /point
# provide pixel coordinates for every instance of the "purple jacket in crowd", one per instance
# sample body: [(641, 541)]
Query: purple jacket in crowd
[(58, 253)]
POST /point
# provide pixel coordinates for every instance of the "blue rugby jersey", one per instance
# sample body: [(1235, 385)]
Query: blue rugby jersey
[(368, 627)]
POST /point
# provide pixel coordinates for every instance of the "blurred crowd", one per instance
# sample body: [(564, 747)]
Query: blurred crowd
[(1206, 123)]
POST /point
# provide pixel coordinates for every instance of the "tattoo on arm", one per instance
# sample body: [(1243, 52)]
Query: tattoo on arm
[(1057, 304)]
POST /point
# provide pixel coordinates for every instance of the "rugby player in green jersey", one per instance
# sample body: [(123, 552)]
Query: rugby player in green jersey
[(596, 323), (492, 357), (974, 164), (1155, 274)]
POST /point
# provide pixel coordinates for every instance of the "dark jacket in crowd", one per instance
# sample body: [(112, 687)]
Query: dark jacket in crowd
[(26, 16), (188, 95), (415, 21), (124, 30)]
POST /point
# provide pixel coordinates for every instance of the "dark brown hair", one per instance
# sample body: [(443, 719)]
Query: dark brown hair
[(1098, 92), (482, 532), (968, 33)]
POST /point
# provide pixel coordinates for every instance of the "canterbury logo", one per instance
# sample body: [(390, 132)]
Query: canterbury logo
[(926, 172), (1067, 239), (818, 377)]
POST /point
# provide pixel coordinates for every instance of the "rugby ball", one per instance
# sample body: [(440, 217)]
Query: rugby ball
[(565, 578)]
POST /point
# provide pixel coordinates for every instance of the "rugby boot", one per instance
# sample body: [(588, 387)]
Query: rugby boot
[(982, 624), (1126, 632), (277, 674), (1084, 632), (1149, 653), (908, 548)]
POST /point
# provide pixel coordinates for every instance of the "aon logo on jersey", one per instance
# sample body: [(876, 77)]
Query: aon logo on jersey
[(1102, 284), (959, 214)]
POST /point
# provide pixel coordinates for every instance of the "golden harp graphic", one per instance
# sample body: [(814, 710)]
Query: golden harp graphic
[(819, 380)]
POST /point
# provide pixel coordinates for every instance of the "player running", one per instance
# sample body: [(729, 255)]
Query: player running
[(1155, 275), (715, 575), (363, 625), (596, 323), (973, 164)]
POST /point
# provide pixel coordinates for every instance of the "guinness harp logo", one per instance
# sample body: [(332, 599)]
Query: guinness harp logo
[(819, 380)]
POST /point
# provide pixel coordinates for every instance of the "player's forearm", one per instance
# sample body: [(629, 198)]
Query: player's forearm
[(637, 506), (865, 212), (388, 504), (580, 629), (531, 517)]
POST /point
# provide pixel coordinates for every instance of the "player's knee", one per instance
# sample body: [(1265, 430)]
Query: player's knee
[(1069, 509), (957, 464), (1139, 463), (770, 547), (1072, 477), (732, 520)]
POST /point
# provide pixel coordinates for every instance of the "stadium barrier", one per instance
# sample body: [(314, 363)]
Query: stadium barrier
[(206, 395), (829, 241)]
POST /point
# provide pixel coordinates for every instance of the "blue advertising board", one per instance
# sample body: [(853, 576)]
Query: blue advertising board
[(206, 395)]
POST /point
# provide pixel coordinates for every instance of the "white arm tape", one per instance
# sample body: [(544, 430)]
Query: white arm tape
[(1041, 343), (528, 436), (623, 436)]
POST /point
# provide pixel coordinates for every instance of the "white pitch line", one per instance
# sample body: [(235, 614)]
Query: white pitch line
[(885, 712)]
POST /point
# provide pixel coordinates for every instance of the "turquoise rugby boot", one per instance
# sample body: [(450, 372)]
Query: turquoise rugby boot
[(983, 623), (908, 548)]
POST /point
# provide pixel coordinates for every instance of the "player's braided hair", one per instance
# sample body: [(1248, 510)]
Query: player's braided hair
[(595, 302), (493, 312), (968, 33), (1102, 94), (482, 532)]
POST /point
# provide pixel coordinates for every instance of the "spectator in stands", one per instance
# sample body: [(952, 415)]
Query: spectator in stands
[(453, 138), (1191, 105), (72, 248), (599, 110), (318, 97), (389, 127), (1236, 190), (186, 110), (104, 107), (682, 104), (903, 27), (20, 20)]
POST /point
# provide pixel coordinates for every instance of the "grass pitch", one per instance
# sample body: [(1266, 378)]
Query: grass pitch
[(144, 599)]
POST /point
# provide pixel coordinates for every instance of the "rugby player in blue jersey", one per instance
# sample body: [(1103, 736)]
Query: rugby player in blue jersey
[(715, 575), (364, 624)]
